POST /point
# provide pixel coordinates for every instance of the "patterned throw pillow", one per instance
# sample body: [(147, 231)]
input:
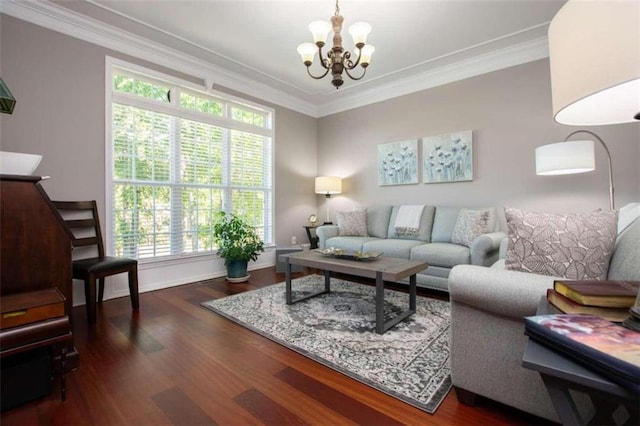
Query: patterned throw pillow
[(353, 223), (470, 224), (575, 246)]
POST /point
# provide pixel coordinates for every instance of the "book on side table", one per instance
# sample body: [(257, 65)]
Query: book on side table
[(569, 306), (610, 294), (608, 348)]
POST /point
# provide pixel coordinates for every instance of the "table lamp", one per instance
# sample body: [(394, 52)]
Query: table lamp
[(328, 185)]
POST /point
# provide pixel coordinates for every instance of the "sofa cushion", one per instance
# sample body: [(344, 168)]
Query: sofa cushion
[(442, 254), (392, 247), (426, 223), (353, 223), (348, 243), (470, 225), (573, 245), (443, 223), (378, 221)]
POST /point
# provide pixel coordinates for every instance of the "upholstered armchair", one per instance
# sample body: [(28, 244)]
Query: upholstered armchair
[(487, 335)]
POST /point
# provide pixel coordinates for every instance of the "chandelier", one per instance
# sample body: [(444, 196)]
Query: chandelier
[(337, 60)]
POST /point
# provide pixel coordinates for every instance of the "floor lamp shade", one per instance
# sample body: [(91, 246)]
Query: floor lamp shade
[(595, 62), (565, 158), (570, 157)]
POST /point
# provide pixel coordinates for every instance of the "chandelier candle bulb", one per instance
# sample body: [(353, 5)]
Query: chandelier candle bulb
[(365, 55), (307, 51), (320, 31), (359, 31)]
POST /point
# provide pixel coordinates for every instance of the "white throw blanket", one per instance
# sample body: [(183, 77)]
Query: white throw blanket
[(408, 220)]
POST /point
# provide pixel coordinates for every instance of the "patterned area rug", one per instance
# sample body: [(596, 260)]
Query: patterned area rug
[(409, 362)]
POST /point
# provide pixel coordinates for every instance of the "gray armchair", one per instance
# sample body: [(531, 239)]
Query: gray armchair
[(487, 333)]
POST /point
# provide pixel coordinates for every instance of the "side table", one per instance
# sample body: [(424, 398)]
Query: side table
[(313, 238), (561, 374)]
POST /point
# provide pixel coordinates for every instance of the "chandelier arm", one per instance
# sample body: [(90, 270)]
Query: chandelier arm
[(346, 70), (326, 63), (611, 201), (350, 64), (319, 77)]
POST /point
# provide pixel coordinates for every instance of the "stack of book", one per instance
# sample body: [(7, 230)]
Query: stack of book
[(610, 300)]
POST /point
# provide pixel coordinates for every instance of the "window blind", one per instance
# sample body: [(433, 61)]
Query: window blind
[(178, 157)]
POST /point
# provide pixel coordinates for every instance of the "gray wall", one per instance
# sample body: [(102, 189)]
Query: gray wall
[(59, 85), (510, 114), (58, 82)]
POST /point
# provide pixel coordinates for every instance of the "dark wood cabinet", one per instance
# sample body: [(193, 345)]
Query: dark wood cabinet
[(35, 255), (35, 247)]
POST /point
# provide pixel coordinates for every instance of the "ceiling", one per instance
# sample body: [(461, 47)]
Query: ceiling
[(419, 44)]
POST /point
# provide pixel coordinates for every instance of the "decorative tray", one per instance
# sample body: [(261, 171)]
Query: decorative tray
[(350, 255)]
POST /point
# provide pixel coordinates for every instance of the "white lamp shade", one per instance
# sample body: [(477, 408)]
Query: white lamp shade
[(594, 55), (320, 31), (307, 51), (565, 158), (359, 31), (328, 185), (365, 54)]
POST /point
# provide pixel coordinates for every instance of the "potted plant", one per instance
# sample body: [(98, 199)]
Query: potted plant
[(237, 243)]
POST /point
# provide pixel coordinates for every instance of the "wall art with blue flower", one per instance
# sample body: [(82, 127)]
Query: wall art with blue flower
[(398, 163), (448, 157)]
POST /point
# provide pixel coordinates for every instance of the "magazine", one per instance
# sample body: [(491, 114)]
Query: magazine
[(608, 348)]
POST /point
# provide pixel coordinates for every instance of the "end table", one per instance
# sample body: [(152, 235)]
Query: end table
[(561, 374), (313, 238)]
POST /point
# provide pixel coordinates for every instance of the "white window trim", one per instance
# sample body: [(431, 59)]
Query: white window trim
[(110, 64)]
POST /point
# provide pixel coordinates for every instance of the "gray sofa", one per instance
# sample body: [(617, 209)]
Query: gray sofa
[(431, 244), (487, 334)]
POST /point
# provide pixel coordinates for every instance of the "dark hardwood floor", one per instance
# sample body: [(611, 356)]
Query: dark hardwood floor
[(176, 363)]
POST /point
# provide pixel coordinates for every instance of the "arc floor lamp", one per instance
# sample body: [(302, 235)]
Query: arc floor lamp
[(595, 78)]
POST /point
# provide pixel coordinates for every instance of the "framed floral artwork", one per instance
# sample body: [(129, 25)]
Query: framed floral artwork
[(398, 163), (448, 157)]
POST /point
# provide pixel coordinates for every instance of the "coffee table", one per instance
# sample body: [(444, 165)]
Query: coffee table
[(382, 269)]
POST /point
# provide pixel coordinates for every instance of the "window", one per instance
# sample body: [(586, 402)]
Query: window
[(177, 156)]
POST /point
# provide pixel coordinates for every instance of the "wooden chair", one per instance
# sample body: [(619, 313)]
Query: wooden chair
[(81, 217)]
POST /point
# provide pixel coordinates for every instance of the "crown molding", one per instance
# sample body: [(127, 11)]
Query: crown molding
[(57, 18), (481, 64)]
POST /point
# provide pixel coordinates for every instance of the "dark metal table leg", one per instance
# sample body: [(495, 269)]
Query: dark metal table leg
[(289, 291), (379, 303), (412, 293), (381, 326), (288, 282)]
